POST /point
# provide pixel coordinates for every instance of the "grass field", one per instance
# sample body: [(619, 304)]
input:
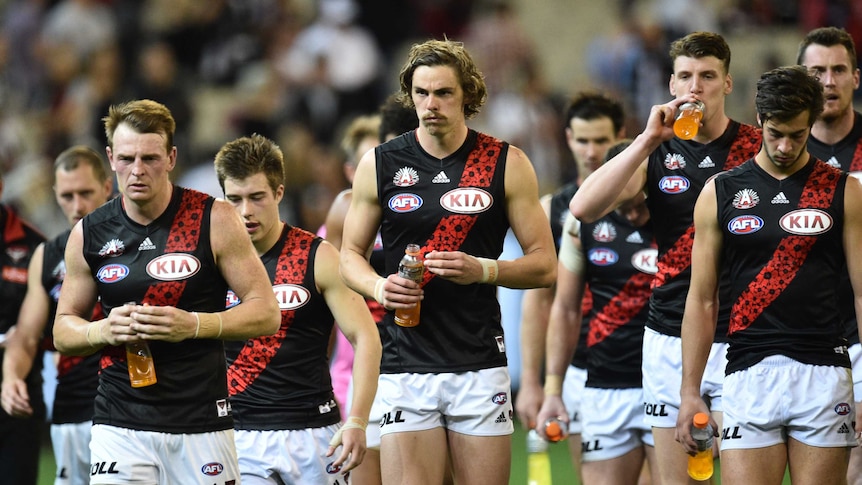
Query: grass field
[(561, 467)]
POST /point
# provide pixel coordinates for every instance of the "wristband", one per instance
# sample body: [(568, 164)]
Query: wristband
[(489, 270), (218, 314), (90, 328), (198, 326), (378, 290), (553, 385), (353, 422)]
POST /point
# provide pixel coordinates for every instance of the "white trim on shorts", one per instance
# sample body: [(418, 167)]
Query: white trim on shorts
[(573, 394), (296, 457), (780, 398), (122, 456), (475, 403), (613, 422), (71, 444), (662, 377)]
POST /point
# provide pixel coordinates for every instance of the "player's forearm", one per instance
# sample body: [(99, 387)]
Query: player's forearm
[(536, 269), (358, 274), (534, 322), (564, 329), (74, 335), (366, 370), (254, 317)]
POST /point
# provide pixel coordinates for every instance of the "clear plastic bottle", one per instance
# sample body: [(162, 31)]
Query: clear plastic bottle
[(538, 461), (556, 430), (412, 268), (139, 359), (688, 120), (700, 466)]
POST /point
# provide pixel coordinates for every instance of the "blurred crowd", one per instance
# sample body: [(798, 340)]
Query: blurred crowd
[(298, 71)]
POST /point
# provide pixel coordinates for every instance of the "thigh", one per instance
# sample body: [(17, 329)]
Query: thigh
[(368, 472), (414, 457), (662, 361), (755, 466), (613, 423), (811, 465), (480, 460), (622, 470)]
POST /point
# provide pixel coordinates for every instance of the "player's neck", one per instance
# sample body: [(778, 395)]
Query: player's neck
[(441, 144), (833, 131), (145, 212)]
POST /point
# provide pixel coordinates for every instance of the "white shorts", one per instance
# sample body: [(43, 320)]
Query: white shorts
[(372, 432), (779, 398), (613, 423), (289, 457), (573, 396), (71, 443), (856, 363), (662, 377), (476, 403), (124, 456)]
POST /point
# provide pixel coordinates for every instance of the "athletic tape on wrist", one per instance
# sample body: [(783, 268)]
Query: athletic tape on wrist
[(553, 385), (90, 328), (353, 422), (198, 326), (378, 290), (490, 270)]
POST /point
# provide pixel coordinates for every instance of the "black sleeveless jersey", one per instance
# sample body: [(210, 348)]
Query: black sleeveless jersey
[(77, 376), (282, 381), (846, 155), (783, 246), (559, 208), (453, 204), (676, 173), (169, 263), (17, 243), (620, 264)]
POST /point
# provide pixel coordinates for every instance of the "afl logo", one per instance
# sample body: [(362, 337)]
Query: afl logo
[(806, 222), (842, 409), (746, 224), (231, 300), (603, 256), (645, 260), (173, 267), (112, 273), (673, 184), (466, 200), (332, 468), (212, 469), (500, 398), (405, 203), (291, 297)]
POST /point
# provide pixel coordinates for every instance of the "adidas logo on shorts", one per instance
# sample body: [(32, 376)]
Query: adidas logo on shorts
[(844, 429), (501, 418)]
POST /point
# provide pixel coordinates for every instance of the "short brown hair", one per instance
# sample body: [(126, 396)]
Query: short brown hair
[(71, 158), (702, 44), (144, 116), (250, 155)]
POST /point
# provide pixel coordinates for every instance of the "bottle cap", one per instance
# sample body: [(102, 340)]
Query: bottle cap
[(701, 420), (554, 431)]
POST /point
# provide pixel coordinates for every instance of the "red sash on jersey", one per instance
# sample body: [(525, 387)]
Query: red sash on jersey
[(258, 352), (184, 236), (621, 308), (479, 170), (678, 257), (856, 163), (789, 256)]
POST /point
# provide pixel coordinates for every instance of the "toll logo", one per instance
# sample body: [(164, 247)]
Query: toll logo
[(673, 184), (173, 267), (212, 469), (742, 225), (806, 222), (291, 297), (402, 203), (467, 200), (112, 273)]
